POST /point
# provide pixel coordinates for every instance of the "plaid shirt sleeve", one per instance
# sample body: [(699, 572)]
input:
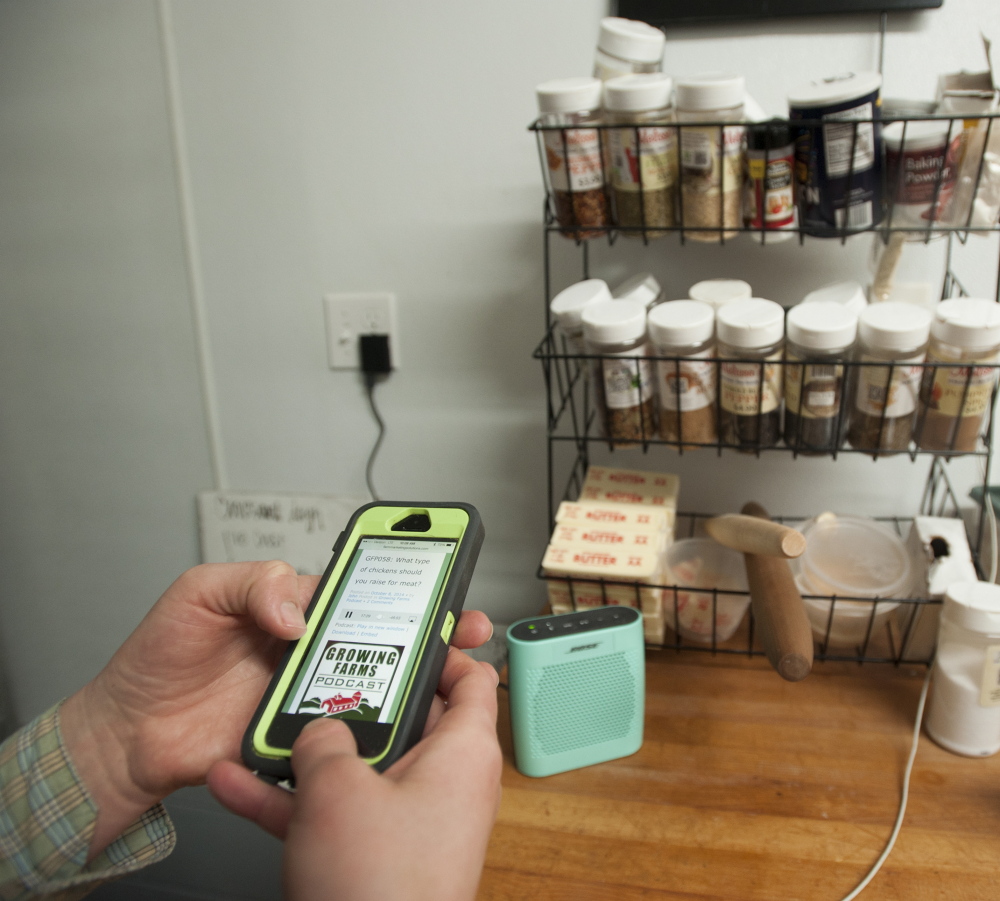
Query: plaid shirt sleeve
[(47, 819)]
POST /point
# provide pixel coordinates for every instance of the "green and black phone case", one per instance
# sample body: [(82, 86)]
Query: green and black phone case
[(457, 521)]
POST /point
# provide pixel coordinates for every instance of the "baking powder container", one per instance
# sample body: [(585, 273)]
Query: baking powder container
[(963, 714), (682, 332), (818, 338), (749, 331), (643, 288), (615, 332), (719, 291), (839, 163), (567, 310), (625, 46), (574, 155), (851, 557), (848, 293), (920, 178), (892, 337), (954, 400)]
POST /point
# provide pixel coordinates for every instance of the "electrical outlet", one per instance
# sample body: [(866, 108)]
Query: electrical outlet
[(350, 315)]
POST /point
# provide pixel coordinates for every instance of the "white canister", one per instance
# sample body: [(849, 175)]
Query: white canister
[(920, 178), (719, 291), (567, 309), (963, 715)]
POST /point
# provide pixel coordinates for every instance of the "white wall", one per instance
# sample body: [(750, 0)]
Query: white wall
[(332, 146)]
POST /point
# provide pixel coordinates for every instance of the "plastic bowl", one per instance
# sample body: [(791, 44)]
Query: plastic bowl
[(851, 557), (701, 563)]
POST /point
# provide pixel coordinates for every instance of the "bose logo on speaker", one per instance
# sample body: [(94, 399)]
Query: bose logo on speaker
[(582, 647)]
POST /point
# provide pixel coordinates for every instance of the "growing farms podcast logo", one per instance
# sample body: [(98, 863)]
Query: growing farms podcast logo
[(352, 680)]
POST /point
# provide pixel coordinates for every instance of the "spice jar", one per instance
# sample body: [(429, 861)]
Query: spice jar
[(711, 155), (770, 207), (963, 714), (750, 391), (684, 330), (574, 155), (818, 338), (644, 155), (719, 291), (625, 46), (848, 293), (892, 336), (567, 309), (955, 399), (643, 288), (623, 374)]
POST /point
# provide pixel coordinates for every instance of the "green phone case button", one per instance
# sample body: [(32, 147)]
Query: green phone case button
[(448, 627)]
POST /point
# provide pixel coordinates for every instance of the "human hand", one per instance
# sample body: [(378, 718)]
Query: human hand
[(417, 831), (178, 694)]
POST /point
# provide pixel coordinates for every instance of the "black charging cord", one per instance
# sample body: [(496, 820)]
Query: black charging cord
[(376, 362)]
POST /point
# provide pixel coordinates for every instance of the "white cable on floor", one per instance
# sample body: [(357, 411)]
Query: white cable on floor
[(906, 792)]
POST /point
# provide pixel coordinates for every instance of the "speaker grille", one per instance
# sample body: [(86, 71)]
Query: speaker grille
[(586, 702)]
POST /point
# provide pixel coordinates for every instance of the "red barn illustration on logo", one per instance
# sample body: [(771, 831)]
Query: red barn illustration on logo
[(339, 703)]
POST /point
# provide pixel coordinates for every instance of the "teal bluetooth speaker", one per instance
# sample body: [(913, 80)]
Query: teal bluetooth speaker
[(577, 688)]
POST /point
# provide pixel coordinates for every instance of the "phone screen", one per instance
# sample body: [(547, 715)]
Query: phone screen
[(361, 655)]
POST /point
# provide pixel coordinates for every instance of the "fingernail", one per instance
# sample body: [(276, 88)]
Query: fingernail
[(292, 616)]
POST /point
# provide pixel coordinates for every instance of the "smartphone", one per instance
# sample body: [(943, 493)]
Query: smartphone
[(377, 632)]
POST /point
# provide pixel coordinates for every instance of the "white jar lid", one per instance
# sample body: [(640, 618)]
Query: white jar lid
[(681, 322), (751, 323), (894, 325), (641, 91), (711, 90), (642, 288), (921, 134), (969, 322), (822, 325), (569, 95), (836, 89), (567, 306), (631, 40), (718, 291), (849, 293), (974, 605), (614, 321)]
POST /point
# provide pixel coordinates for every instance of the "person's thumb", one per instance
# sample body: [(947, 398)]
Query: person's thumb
[(323, 744)]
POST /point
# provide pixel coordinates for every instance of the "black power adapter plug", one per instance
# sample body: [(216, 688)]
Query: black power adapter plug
[(376, 358)]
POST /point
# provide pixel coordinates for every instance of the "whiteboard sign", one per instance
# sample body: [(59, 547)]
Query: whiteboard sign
[(239, 526)]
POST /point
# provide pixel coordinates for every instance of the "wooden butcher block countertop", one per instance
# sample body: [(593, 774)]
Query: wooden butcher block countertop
[(749, 787)]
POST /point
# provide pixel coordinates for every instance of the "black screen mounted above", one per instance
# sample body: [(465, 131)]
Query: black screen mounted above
[(682, 12)]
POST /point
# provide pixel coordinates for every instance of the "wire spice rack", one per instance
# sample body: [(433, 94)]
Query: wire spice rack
[(573, 421)]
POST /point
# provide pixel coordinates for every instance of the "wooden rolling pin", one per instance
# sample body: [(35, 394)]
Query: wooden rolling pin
[(753, 535), (778, 611)]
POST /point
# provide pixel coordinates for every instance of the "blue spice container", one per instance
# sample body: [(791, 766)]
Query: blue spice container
[(839, 191)]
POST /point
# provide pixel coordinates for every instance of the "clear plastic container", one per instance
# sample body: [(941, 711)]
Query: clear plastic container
[(955, 400), (819, 337), (711, 155), (892, 336), (615, 332), (685, 330), (703, 564), (643, 169), (625, 46), (574, 154), (851, 557)]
